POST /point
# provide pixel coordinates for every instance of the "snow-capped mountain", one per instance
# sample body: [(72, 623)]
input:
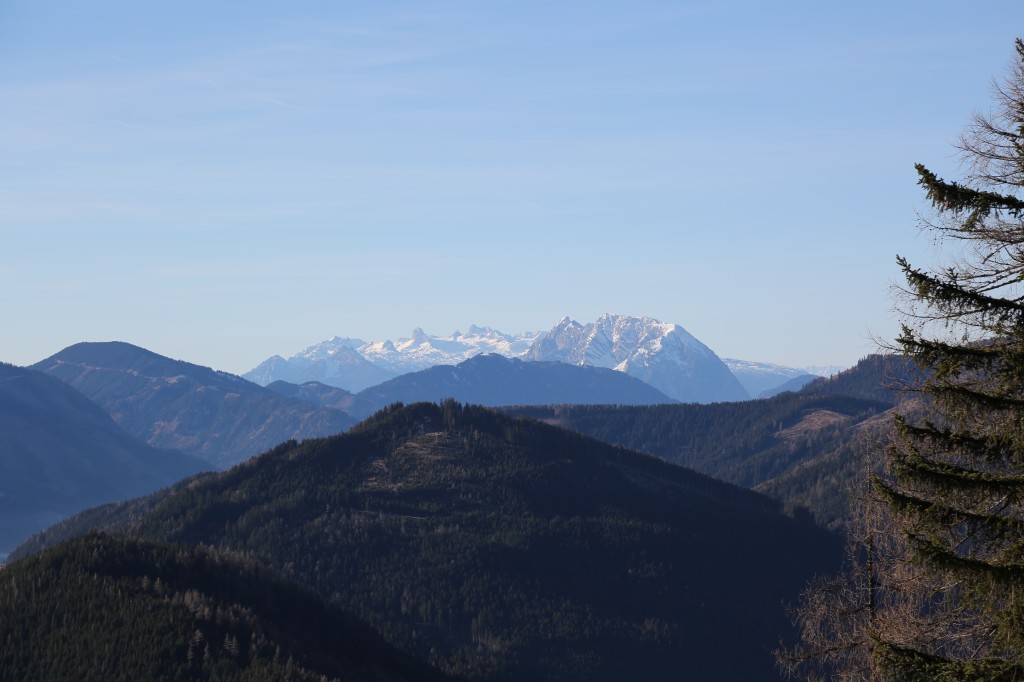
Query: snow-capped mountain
[(664, 355), (336, 362), (423, 350), (824, 370), (354, 364), (758, 377)]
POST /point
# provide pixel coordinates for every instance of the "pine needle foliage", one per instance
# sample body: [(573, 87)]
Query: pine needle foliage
[(936, 585)]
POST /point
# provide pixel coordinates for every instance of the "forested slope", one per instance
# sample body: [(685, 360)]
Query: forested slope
[(802, 447), (60, 453), (506, 549), (100, 608)]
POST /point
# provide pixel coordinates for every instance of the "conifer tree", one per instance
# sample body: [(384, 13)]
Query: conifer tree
[(936, 588), (954, 480)]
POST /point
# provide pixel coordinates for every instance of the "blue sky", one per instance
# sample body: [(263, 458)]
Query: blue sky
[(224, 181)]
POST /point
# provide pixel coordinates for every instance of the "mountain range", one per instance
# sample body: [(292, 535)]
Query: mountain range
[(663, 355), (423, 351), (225, 419), (354, 364), (154, 420), (450, 541), (335, 362)]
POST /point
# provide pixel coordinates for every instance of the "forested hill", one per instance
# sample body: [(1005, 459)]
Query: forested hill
[(803, 447), (100, 608), (506, 549), (880, 377)]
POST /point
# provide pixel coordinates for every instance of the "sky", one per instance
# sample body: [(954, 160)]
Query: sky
[(220, 182)]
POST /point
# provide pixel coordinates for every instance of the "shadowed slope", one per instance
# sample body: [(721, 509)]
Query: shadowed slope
[(115, 609), (507, 549), (60, 453)]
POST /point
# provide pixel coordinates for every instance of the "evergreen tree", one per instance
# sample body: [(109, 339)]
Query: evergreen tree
[(936, 591), (954, 481)]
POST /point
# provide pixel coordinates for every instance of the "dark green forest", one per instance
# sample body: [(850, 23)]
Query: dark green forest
[(500, 548), (101, 608), (804, 448)]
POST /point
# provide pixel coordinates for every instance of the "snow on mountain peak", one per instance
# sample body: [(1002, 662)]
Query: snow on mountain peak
[(425, 350), (566, 321), (327, 348), (662, 354)]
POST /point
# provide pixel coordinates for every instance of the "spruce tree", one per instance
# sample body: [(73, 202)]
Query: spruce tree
[(949, 594), (952, 593), (936, 585)]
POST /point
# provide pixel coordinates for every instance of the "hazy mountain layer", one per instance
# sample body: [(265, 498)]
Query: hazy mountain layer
[(216, 416), (60, 453), (335, 362), (494, 380), (758, 377), (794, 384)]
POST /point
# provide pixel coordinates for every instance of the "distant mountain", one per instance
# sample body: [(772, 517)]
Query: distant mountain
[(495, 380), (354, 364), (824, 370), (335, 362), (506, 549), (758, 377), (794, 384), (316, 393), (60, 453), (804, 448), (423, 350), (215, 416), (103, 608), (665, 356)]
